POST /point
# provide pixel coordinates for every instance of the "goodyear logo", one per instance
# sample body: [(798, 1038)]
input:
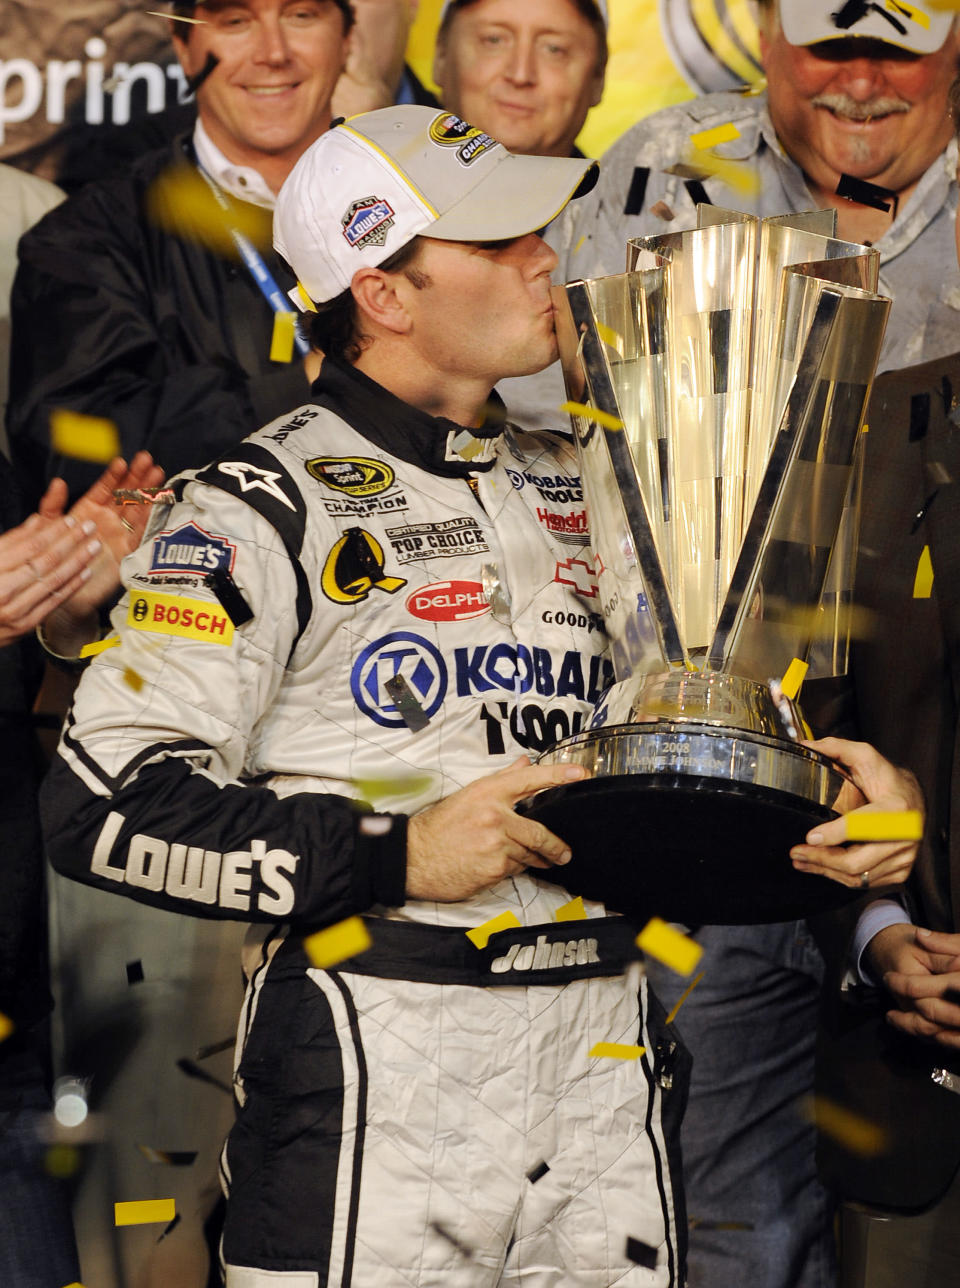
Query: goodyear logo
[(192, 619), (354, 567), (449, 130), (352, 475), (367, 221)]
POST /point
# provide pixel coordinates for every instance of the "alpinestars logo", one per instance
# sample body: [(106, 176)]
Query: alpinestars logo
[(253, 476)]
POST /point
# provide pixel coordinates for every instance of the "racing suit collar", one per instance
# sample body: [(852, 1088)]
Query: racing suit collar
[(431, 442)]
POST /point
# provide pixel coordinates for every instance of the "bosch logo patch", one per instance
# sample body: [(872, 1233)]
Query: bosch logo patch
[(448, 601), (190, 548), (367, 221), (401, 653)]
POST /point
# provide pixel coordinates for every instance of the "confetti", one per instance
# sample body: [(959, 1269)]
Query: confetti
[(610, 337), (132, 678), (793, 678), (170, 1228), (181, 202), (82, 437), (644, 1254), (135, 972), (6, 1026), (444, 1233), (175, 17), (865, 194), (583, 237), (537, 1173), (210, 66), (281, 343), (616, 1051), (572, 911), (99, 646), (229, 595), (143, 495), (923, 580), (704, 139), (194, 1071), (61, 1161), (662, 211), (603, 418), (676, 950), (854, 1133), (306, 303), (683, 997), (373, 789), (215, 1048), (917, 15), (739, 176), (172, 1158), (144, 1211), (407, 704), (480, 935), (346, 939), (885, 825)]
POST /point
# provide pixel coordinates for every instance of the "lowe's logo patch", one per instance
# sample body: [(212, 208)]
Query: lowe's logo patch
[(546, 955), (367, 221), (190, 549)]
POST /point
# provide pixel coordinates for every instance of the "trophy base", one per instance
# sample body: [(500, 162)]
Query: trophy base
[(690, 824)]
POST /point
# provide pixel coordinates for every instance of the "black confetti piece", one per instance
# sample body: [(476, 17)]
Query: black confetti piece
[(921, 514), (170, 1228), (135, 972), (194, 1071), (638, 189), (697, 192), (919, 416), (642, 1253), (404, 699), (444, 1233), (214, 1048), (194, 82), (866, 194), (536, 1173), (228, 593)]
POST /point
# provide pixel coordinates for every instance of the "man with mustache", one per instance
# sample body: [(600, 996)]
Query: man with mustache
[(858, 91)]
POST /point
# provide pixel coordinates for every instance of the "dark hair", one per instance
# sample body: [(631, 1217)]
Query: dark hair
[(334, 328), (587, 8), (185, 8)]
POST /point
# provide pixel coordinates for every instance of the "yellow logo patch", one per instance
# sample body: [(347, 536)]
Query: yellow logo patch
[(354, 567), (353, 475), (192, 619)]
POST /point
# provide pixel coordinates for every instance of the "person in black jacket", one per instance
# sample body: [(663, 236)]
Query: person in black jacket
[(124, 308)]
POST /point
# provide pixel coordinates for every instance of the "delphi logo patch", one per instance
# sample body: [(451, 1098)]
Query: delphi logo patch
[(192, 619), (367, 221)]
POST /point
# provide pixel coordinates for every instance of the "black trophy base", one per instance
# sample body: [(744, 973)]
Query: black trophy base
[(697, 850)]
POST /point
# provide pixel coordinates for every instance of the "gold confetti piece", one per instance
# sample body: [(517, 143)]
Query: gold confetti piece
[(175, 17), (739, 176), (683, 997), (76, 1284), (583, 237), (6, 1026), (858, 1135), (885, 825), (572, 911), (131, 678), (99, 646), (704, 139), (181, 202), (592, 413), (61, 1161), (923, 581), (85, 438), (281, 343), (669, 946), (480, 935), (373, 789), (335, 944), (610, 337), (793, 678), (144, 1211), (616, 1051), (305, 300), (917, 15)]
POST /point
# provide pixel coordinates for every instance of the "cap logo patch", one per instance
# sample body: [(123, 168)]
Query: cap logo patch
[(367, 221), (450, 131)]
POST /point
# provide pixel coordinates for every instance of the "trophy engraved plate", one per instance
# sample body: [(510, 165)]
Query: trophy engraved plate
[(730, 368)]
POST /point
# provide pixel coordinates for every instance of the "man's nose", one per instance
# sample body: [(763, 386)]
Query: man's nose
[(271, 43), (861, 78), (521, 66)]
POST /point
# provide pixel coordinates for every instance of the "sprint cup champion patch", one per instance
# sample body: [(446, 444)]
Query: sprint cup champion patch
[(366, 222), (192, 619), (352, 475), (450, 131)]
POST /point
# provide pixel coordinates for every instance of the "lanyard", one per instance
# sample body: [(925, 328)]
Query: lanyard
[(255, 264)]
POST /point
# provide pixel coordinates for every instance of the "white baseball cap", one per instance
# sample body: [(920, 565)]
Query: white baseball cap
[(910, 25), (371, 184), (599, 5)]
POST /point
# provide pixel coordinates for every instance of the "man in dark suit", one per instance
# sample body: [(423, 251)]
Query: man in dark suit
[(889, 1045)]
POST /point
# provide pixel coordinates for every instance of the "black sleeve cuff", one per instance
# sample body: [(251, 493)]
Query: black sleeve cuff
[(380, 867)]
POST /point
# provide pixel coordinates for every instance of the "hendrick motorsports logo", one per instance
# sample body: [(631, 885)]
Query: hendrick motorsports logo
[(366, 222), (402, 653), (352, 475), (450, 131)]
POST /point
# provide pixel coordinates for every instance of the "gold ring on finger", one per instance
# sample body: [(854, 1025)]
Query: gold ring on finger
[(864, 880)]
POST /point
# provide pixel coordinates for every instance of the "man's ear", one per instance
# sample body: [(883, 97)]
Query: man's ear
[(380, 299), (439, 72), (596, 89)]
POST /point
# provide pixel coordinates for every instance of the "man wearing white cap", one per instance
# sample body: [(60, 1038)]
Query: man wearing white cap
[(387, 624), (855, 103)]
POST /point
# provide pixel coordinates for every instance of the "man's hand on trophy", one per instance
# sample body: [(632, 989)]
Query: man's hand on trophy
[(873, 786), (472, 839)]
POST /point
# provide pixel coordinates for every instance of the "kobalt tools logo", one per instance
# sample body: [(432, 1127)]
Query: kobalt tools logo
[(198, 874), (367, 221), (403, 654), (558, 488), (448, 601), (190, 548), (546, 955)]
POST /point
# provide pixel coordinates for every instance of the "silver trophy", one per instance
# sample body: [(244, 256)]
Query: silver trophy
[(722, 382)]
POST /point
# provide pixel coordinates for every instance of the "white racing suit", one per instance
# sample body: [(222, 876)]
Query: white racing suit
[(362, 603)]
